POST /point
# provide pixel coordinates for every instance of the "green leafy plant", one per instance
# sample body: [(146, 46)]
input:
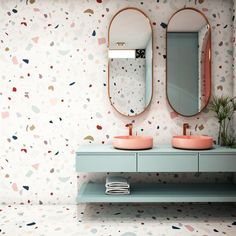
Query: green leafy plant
[(224, 108)]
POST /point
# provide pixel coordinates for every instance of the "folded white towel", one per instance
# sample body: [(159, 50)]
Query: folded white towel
[(116, 191), (117, 182)]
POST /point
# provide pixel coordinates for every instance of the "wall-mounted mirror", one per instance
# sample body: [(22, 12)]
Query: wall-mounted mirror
[(188, 62), (130, 83)]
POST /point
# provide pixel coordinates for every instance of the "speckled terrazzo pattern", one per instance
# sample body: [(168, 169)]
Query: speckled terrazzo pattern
[(234, 61), (127, 85), (54, 98), (203, 35), (119, 220), (234, 65)]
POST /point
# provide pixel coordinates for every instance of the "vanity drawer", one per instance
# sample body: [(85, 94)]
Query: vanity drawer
[(217, 162), (99, 162), (168, 162)]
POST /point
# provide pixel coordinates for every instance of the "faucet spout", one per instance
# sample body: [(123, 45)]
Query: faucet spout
[(130, 126), (185, 127)]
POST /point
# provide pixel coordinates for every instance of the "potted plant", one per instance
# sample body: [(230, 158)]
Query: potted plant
[(224, 108)]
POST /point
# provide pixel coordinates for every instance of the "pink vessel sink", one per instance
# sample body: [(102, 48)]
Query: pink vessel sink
[(131, 142), (196, 142)]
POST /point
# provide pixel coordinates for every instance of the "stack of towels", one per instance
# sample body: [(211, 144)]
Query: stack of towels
[(117, 185)]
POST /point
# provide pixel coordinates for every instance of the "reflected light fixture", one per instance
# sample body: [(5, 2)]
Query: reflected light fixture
[(121, 53), (120, 44)]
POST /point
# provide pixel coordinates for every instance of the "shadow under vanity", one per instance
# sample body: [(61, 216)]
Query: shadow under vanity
[(130, 89)]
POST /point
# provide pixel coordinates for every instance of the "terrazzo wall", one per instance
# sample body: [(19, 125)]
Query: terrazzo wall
[(203, 89), (234, 61), (53, 91), (234, 64)]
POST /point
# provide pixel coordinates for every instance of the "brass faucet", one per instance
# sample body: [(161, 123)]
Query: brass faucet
[(185, 127), (130, 126)]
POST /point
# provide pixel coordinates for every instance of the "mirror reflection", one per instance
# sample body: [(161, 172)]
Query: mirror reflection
[(130, 62), (188, 62)]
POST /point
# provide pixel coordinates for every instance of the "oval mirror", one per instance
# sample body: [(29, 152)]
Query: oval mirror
[(130, 62), (188, 62)]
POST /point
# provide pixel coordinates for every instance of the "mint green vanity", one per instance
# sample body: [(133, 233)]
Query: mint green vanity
[(104, 158)]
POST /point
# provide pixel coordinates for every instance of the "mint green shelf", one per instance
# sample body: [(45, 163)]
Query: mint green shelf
[(95, 192), (104, 158), (164, 158)]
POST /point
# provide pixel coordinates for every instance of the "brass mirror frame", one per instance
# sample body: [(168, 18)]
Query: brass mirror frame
[(210, 61), (108, 88)]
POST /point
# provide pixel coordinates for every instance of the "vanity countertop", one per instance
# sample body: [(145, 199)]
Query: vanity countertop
[(163, 148)]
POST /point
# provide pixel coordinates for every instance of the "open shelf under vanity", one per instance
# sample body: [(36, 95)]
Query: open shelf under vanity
[(95, 192)]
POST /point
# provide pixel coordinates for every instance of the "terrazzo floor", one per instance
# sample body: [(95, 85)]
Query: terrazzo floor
[(118, 219)]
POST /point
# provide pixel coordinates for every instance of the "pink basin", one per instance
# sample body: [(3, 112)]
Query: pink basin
[(192, 142), (133, 142)]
